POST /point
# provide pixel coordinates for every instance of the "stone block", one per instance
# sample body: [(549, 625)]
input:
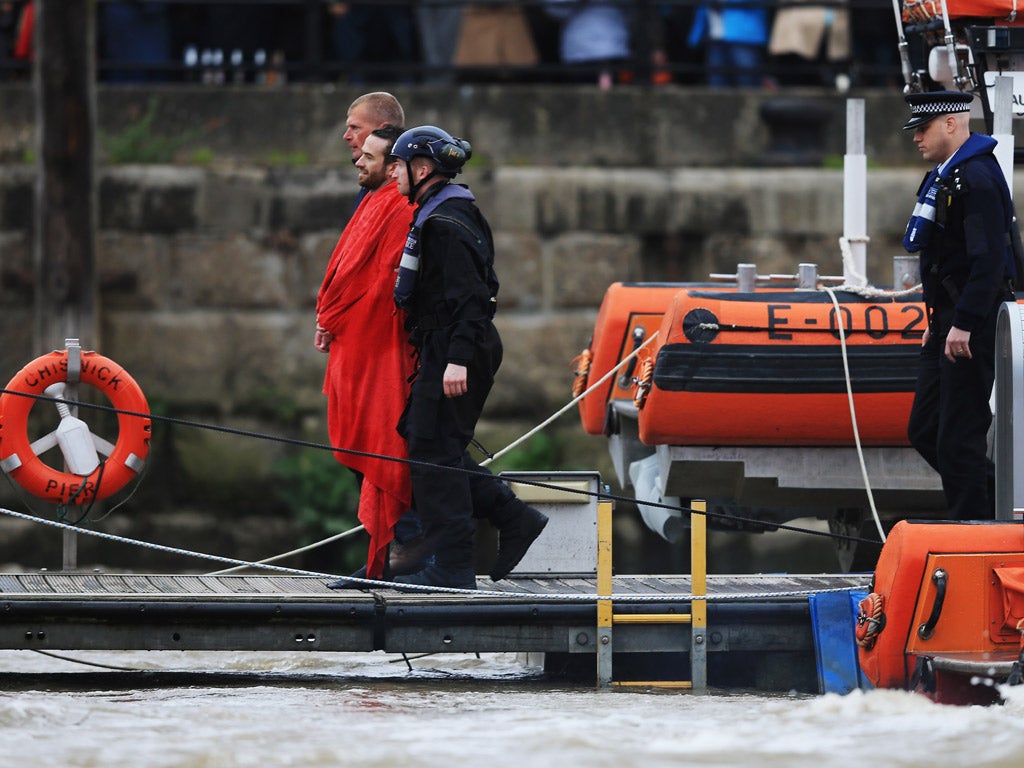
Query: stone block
[(135, 271), (180, 358), (611, 200), (579, 267), (704, 202), (232, 270), (314, 254), (262, 125), (536, 376), (17, 198), (517, 199), (236, 200), (518, 263), (151, 198), (536, 126), (891, 198), (308, 201), (700, 132), (220, 361)]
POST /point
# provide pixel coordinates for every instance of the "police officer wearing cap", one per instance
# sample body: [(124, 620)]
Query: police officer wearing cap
[(447, 286), (960, 227)]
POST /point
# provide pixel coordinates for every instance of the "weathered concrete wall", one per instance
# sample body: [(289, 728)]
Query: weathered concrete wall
[(208, 278), (209, 271), (668, 127)]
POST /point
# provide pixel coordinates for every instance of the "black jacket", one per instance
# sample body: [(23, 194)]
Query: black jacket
[(967, 262), (455, 290)]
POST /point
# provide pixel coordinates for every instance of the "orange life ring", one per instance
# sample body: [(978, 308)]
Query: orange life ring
[(870, 620), (581, 369), (127, 457), (642, 382)]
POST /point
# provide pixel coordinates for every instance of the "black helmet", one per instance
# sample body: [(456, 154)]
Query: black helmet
[(440, 146)]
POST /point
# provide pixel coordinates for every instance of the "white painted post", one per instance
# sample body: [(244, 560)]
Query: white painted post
[(1002, 126), (855, 194)]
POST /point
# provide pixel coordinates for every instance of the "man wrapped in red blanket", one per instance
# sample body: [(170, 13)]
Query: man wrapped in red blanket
[(369, 363)]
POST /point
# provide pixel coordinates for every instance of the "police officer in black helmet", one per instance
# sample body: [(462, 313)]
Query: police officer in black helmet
[(447, 285)]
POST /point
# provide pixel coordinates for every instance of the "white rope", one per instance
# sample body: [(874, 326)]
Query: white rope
[(853, 411), (860, 285), (299, 551), (611, 372), (496, 456), (547, 597)]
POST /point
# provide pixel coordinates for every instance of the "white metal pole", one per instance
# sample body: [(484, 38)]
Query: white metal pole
[(908, 75), (855, 195), (1002, 126)]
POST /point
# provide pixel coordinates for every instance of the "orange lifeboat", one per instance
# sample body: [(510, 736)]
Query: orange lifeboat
[(946, 612), (630, 313), (766, 367)]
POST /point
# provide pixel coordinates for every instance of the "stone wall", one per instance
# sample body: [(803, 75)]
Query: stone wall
[(208, 278), (668, 128), (209, 270)]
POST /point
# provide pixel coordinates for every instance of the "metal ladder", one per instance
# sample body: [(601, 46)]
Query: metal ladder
[(697, 618)]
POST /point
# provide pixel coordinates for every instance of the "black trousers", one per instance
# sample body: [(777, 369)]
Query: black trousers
[(951, 416), (448, 487)]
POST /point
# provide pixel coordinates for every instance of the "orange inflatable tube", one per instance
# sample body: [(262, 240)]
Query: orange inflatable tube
[(629, 311), (767, 368), (904, 617)]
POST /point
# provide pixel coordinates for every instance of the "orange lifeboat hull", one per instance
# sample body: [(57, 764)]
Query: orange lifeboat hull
[(626, 307), (907, 629), (767, 368)]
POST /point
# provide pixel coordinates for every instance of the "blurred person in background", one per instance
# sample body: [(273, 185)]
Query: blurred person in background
[(493, 38), (437, 24), (594, 39), (136, 41), (733, 35), (810, 45), (368, 33)]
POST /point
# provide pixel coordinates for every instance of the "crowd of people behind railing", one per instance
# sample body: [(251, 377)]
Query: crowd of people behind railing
[(724, 43)]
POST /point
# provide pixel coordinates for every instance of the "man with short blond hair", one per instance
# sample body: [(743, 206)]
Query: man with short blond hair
[(368, 112)]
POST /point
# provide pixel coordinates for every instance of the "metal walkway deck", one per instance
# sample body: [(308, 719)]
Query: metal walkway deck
[(92, 611)]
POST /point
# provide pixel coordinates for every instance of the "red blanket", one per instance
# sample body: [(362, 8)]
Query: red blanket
[(370, 361)]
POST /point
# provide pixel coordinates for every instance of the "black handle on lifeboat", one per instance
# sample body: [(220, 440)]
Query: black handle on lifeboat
[(940, 577), (627, 375)]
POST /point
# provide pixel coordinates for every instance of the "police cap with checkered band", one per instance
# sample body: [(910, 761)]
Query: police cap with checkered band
[(926, 106)]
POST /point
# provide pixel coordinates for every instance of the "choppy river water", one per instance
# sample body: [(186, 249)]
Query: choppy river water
[(218, 710)]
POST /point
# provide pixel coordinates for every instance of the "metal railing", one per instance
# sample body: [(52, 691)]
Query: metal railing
[(696, 619), (272, 42)]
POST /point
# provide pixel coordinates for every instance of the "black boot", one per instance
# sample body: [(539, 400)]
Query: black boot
[(518, 526), (453, 557), (413, 556), (402, 559), (346, 583), (438, 575)]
